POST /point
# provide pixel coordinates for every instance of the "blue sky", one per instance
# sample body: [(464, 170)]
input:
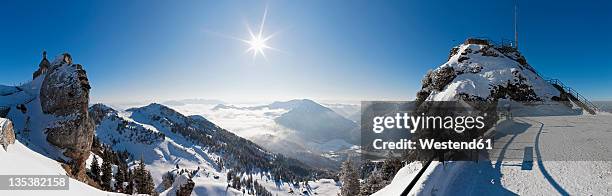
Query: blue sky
[(329, 50)]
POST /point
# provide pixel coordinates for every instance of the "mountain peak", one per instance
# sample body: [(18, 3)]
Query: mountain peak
[(481, 70), (315, 121), (292, 104), (152, 107)]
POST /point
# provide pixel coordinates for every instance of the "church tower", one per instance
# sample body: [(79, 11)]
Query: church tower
[(43, 66)]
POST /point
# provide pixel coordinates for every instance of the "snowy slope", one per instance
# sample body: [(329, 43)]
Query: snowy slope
[(20, 160), (161, 149), (153, 132), (32, 119), (401, 180)]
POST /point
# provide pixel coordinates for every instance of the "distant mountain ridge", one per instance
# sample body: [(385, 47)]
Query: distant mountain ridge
[(299, 128), (310, 119), (316, 121), (192, 101)]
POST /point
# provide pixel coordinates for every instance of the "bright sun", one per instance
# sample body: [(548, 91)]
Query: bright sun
[(257, 46), (257, 42)]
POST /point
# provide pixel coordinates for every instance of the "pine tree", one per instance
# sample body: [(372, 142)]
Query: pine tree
[(373, 183), (148, 185), (95, 169), (390, 167), (236, 183), (119, 179), (95, 143), (142, 179), (129, 189), (167, 179), (350, 181), (107, 174), (249, 182), (229, 176)]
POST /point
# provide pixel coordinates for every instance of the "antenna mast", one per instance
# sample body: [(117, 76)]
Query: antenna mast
[(516, 24)]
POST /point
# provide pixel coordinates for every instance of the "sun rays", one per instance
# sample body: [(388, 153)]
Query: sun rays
[(257, 42)]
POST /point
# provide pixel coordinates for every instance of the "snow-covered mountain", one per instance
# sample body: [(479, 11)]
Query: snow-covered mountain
[(316, 122), (349, 111), (301, 128), (481, 71), (168, 139)]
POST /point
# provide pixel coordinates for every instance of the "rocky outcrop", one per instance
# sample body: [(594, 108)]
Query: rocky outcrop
[(435, 80), (65, 94), (184, 185), (186, 189), (175, 183), (480, 71), (7, 135)]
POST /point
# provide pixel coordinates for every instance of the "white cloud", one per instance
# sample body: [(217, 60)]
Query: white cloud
[(247, 123)]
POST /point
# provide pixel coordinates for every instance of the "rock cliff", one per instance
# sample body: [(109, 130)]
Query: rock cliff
[(64, 93)]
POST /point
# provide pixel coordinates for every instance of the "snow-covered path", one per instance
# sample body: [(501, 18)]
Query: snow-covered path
[(540, 156)]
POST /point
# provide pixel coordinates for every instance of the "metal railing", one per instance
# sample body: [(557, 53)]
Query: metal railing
[(506, 43), (574, 93), (498, 44)]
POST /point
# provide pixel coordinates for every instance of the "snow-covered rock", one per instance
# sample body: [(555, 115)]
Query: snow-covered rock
[(485, 72), (7, 135), (49, 113), (65, 94), (182, 186)]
